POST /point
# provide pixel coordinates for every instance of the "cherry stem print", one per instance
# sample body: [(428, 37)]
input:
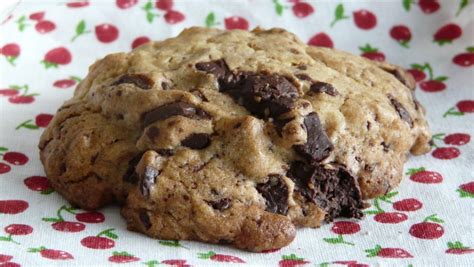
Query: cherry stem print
[(378, 251), (384, 198), (452, 112), (59, 217), (466, 190), (373, 252), (150, 16), (436, 137), (219, 257), (80, 30), (9, 239), (3, 149), (279, 8), (338, 240), (211, 20), (433, 218), (407, 4), (152, 263), (27, 124), (122, 257), (22, 23), (172, 243), (462, 5), (11, 60), (108, 233), (339, 14), (458, 248), (292, 260), (424, 67)]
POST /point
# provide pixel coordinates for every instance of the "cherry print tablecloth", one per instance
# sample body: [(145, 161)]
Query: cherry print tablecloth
[(46, 47)]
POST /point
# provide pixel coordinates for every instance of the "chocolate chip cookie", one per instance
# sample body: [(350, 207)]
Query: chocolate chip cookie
[(234, 137)]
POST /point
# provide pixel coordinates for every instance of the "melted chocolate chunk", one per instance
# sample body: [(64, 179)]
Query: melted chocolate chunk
[(275, 192), (279, 124), (402, 112), (165, 86), (139, 80), (145, 219), (165, 152), (386, 147), (334, 190), (321, 87), (174, 109), (152, 133), (148, 179), (130, 175), (218, 68), (403, 77), (221, 204), (264, 95), (197, 141), (318, 146), (304, 77)]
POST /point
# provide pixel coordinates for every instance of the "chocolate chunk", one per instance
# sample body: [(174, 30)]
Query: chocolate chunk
[(152, 133), (130, 175), (279, 124), (148, 179), (275, 192), (402, 76), (302, 67), (165, 152), (145, 219), (402, 112), (221, 204), (318, 146), (264, 95), (218, 68), (304, 77), (321, 87), (165, 86), (174, 109), (385, 146), (334, 190), (197, 141), (139, 80)]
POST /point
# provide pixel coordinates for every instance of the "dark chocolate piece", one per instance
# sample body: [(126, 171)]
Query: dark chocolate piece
[(403, 77), (130, 175), (145, 219), (402, 112), (318, 146), (152, 133), (165, 152), (139, 80), (174, 109), (197, 141), (148, 179), (304, 77), (221, 204), (322, 87), (218, 68), (334, 190), (275, 192), (264, 95)]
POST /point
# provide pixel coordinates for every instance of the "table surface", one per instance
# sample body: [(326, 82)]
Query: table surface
[(431, 38)]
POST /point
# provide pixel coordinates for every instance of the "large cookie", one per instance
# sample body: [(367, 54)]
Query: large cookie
[(234, 137)]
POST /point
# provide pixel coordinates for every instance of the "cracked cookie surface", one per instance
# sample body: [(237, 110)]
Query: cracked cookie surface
[(234, 137)]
